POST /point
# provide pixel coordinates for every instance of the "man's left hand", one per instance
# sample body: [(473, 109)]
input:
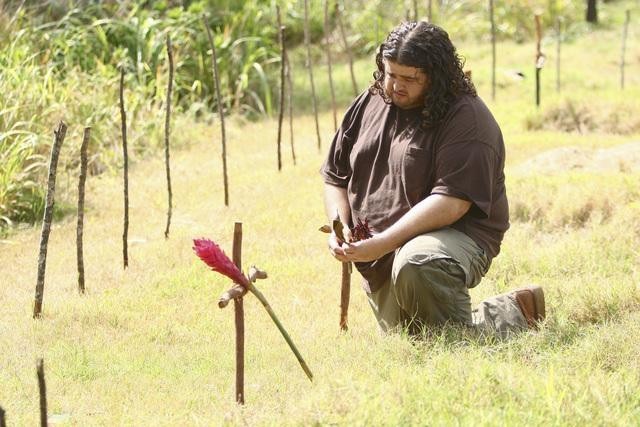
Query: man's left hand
[(367, 250)]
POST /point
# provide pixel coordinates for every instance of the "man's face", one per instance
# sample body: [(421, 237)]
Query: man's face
[(406, 86)]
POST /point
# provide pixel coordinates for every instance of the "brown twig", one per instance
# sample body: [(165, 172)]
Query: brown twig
[(167, 128), (59, 133), (42, 387), (238, 290), (327, 48), (125, 154), (81, 189), (345, 293), (347, 49), (239, 316), (3, 422), (307, 42), (283, 65), (290, 105), (216, 78)]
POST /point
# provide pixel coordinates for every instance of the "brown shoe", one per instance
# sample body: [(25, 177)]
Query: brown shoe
[(531, 302)]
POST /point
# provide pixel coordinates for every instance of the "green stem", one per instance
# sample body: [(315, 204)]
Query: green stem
[(284, 333)]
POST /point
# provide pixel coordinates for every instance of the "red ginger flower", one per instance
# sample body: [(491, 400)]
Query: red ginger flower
[(209, 252)]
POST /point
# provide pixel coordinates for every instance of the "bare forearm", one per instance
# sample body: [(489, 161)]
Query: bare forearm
[(335, 199), (432, 213)]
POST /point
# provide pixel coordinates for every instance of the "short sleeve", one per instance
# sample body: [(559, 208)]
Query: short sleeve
[(336, 169), (466, 170)]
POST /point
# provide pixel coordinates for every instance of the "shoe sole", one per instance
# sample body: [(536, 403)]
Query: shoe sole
[(538, 298)]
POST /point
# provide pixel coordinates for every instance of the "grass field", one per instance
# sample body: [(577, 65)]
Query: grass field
[(149, 346)]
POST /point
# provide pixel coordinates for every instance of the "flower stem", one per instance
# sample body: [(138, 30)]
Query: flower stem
[(284, 333)]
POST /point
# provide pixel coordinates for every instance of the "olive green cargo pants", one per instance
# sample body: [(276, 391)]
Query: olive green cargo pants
[(429, 285)]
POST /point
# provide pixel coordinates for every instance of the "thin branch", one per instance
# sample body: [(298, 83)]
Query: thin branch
[(42, 387), (81, 190), (216, 78), (167, 128), (125, 155), (281, 30), (60, 134)]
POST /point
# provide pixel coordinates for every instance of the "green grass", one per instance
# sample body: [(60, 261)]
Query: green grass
[(149, 346)]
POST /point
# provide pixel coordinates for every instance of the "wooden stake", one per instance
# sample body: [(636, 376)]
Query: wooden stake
[(307, 42), (59, 133), (80, 227), (625, 31), (42, 387), (345, 293), (3, 422), (167, 128), (216, 78), (327, 48), (347, 50), (281, 30), (239, 316), (493, 51), (539, 57), (290, 105), (558, 45), (125, 154)]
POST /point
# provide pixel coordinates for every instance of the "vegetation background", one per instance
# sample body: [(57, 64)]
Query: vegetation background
[(148, 345)]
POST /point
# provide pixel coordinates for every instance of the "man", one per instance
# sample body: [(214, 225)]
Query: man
[(421, 158)]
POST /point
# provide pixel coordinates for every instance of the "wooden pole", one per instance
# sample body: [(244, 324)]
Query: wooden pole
[(59, 133), (625, 31), (347, 49), (167, 129), (3, 422), (42, 387), (81, 190), (345, 293), (216, 79), (290, 105), (493, 51), (283, 65), (539, 57), (307, 42), (327, 48), (558, 48), (239, 316), (125, 154)]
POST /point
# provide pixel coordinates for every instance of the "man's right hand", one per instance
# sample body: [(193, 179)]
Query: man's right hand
[(337, 246)]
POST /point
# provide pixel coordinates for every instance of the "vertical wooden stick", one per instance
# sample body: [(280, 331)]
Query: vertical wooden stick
[(167, 128), (290, 104), (558, 46), (283, 65), (239, 316), (80, 227), (493, 51), (345, 293), (216, 78), (624, 46), (347, 49), (59, 133), (125, 154), (327, 48), (307, 42), (42, 387), (3, 422), (539, 57)]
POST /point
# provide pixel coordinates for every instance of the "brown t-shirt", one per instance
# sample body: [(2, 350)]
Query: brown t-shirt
[(388, 163)]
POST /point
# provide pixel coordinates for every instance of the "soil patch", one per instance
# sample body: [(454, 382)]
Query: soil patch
[(621, 158)]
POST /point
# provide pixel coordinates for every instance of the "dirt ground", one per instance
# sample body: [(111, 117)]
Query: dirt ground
[(622, 158)]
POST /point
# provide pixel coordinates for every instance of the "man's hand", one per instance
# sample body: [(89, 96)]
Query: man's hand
[(337, 246), (368, 250)]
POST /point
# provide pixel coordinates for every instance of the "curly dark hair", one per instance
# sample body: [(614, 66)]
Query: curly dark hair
[(427, 47)]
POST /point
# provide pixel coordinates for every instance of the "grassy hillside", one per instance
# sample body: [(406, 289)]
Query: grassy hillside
[(149, 346)]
